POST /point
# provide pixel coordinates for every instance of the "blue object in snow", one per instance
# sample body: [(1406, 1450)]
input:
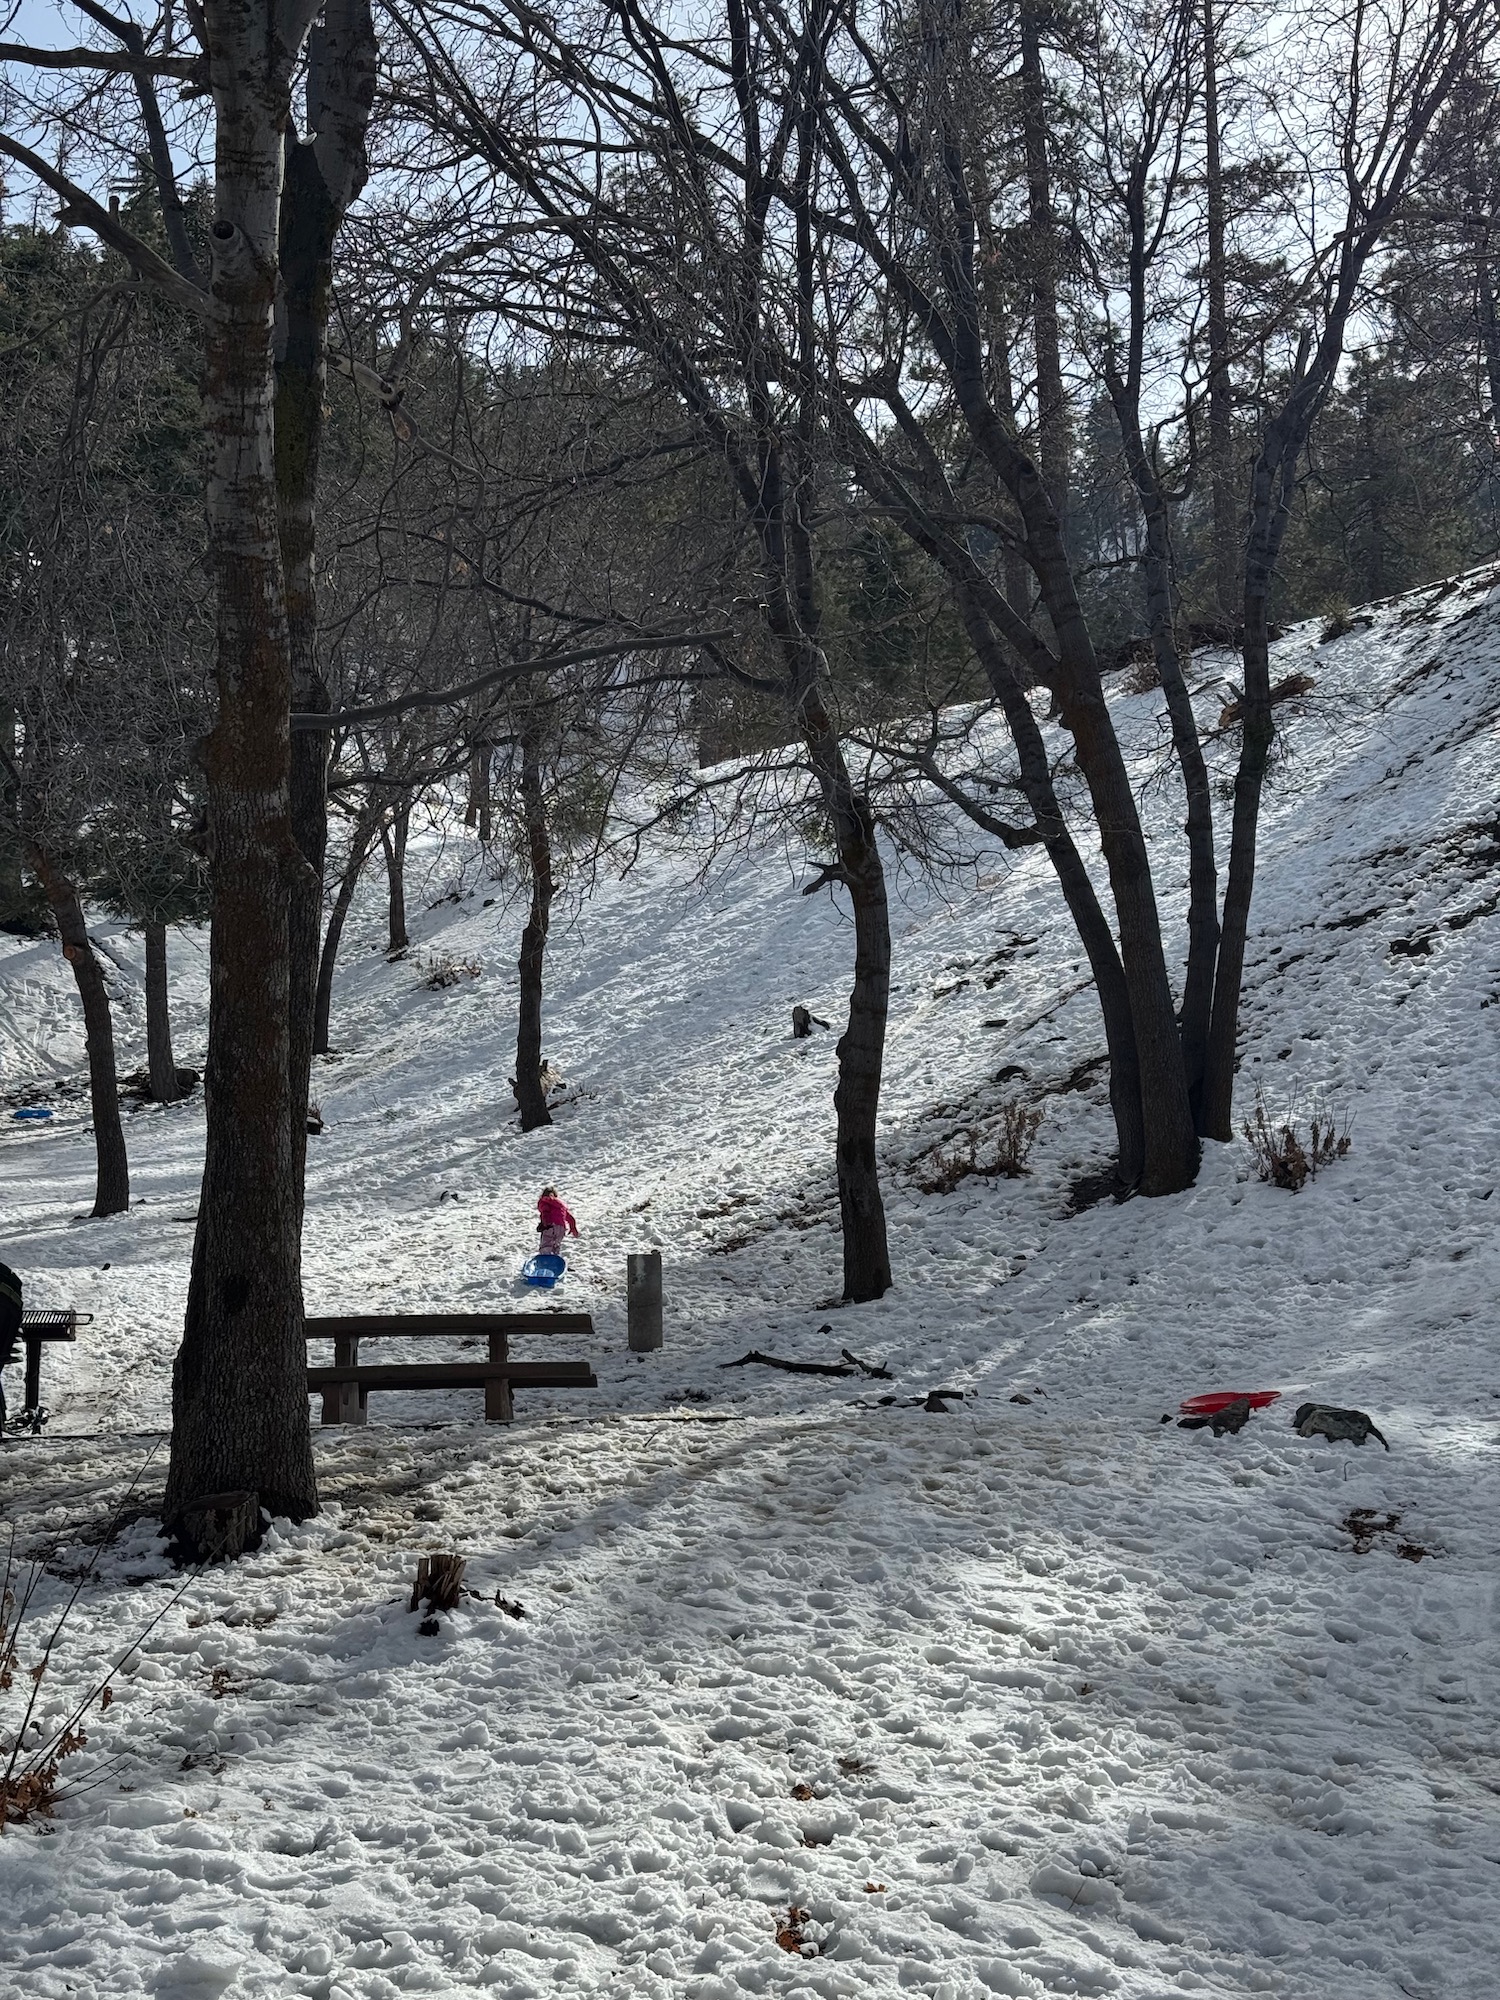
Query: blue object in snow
[(32, 1111), (543, 1270)]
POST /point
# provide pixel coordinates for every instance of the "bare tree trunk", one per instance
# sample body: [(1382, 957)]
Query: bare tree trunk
[(393, 844), (240, 1383), (1054, 430), (1270, 507), (324, 173), (359, 848), (1226, 535), (1170, 1151), (112, 1182), (1078, 893), (19, 909), (1162, 609), (1489, 336), (530, 1096), (161, 1065)]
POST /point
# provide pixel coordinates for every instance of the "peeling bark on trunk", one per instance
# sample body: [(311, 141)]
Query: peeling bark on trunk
[(112, 1182), (359, 849), (393, 845), (239, 1385), (161, 1064), (530, 1095)]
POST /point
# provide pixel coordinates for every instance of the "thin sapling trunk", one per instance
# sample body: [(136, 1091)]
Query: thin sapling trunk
[(112, 1182), (531, 1096), (161, 1064)]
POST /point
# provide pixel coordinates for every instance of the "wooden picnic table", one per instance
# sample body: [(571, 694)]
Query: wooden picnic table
[(347, 1384)]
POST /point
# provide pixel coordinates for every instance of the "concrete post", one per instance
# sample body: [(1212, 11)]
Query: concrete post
[(643, 1299)]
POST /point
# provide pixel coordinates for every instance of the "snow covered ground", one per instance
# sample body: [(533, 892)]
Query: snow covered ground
[(1029, 1697)]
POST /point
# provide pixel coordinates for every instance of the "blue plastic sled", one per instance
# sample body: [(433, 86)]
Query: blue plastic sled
[(37, 1111), (543, 1270)]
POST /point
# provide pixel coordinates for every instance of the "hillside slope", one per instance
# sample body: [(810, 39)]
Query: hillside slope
[(1073, 1701)]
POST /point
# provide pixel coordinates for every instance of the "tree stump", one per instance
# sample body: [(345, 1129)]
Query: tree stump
[(217, 1527), (440, 1582), (803, 1023)]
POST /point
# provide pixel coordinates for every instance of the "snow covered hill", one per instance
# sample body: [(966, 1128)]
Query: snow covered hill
[(1031, 1696)]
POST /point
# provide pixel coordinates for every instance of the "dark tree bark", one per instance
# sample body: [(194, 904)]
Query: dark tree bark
[(161, 1065), (240, 1386), (1124, 385), (1227, 535), (14, 902), (362, 840), (1054, 428), (1489, 335), (861, 1047), (324, 174), (531, 1097), (112, 1182), (393, 845)]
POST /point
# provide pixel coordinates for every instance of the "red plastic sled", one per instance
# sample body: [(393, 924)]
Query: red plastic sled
[(1220, 1399)]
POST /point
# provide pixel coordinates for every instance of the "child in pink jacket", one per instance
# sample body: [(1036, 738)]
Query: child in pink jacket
[(556, 1222)]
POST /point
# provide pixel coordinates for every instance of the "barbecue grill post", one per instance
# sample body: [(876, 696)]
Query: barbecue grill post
[(33, 1372), (643, 1300)]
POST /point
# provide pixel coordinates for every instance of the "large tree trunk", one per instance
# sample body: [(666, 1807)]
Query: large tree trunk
[(240, 1385), (362, 840), (112, 1182), (1161, 610), (1226, 535), (1170, 1149), (393, 844), (530, 1095), (1078, 893), (161, 1064)]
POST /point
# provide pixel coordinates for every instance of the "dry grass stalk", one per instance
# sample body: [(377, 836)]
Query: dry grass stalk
[(1285, 1156)]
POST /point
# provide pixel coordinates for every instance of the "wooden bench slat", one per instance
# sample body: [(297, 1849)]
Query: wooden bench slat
[(424, 1326), (457, 1375)]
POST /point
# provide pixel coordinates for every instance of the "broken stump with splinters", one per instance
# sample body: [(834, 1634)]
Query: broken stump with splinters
[(440, 1582)]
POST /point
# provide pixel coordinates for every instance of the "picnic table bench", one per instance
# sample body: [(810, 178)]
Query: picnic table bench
[(38, 1327), (347, 1384)]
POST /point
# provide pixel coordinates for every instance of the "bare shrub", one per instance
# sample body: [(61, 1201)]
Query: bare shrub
[(944, 1170), (1283, 1154), (442, 971), (1142, 675), (1006, 1160), (1019, 1125), (36, 1750)]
